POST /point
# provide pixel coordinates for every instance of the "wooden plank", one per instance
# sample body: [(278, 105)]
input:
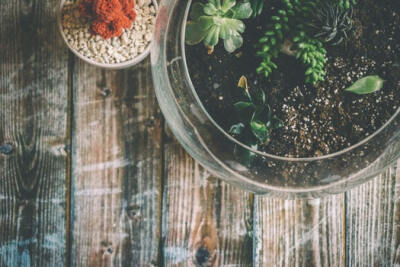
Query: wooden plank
[(33, 135), (116, 168), (373, 221), (299, 232), (206, 222)]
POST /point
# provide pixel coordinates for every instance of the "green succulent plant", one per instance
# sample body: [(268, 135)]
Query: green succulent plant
[(255, 124), (332, 23), (313, 55), (215, 20), (270, 44), (288, 31)]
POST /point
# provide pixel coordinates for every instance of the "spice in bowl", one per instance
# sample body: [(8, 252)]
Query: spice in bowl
[(108, 31)]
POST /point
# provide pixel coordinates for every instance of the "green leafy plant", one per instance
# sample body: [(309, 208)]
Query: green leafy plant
[(332, 23), (256, 121), (217, 20), (366, 85)]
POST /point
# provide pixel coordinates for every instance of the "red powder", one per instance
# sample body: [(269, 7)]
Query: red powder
[(108, 17)]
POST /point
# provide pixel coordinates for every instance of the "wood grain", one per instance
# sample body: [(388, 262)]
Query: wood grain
[(373, 221), (299, 232), (206, 222), (116, 168), (33, 135)]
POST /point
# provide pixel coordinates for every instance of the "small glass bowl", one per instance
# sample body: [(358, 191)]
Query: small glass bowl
[(114, 66), (213, 148)]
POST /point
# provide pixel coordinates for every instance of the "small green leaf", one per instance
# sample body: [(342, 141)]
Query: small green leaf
[(237, 129), (210, 9), (234, 25), (212, 36), (241, 105), (242, 11), (366, 85), (227, 4), (260, 130), (216, 3), (243, 155), (197, 11), (194, 33), (232, 43)]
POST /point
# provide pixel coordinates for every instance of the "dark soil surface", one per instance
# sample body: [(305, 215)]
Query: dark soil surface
[(318, 120)]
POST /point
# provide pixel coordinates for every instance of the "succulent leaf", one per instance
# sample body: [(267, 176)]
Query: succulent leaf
[(197, 10), (227, 5), (233, 42), (242, 11), (366, 85), (194, 33), (216, 20), (259, 130)]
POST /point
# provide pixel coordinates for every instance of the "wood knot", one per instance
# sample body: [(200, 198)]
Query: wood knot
[(105, 91), (150, 122), (133, 212), (202, 256), (6, 149), (106, 247)]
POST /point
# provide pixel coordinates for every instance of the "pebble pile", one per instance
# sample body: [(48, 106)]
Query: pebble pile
[(129, 45)]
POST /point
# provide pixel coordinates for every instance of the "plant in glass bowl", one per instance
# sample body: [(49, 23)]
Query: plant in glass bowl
[(333, 86)]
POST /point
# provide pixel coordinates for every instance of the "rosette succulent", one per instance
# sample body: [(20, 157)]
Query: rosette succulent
[(332, 23), (215, 20)]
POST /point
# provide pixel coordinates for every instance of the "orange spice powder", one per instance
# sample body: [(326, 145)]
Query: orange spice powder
[(108, 17)]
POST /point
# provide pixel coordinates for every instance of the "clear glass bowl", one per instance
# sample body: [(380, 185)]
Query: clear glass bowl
[(213, 148)]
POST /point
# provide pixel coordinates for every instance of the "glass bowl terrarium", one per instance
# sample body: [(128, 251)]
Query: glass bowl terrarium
[(283, 98)]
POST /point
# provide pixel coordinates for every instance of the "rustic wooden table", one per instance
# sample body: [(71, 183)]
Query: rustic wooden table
[(91, 176)]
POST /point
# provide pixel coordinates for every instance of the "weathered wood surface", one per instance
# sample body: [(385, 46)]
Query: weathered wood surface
[(300, 232), (33, 135), (373, 221), (116, 168), (206, 222)]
